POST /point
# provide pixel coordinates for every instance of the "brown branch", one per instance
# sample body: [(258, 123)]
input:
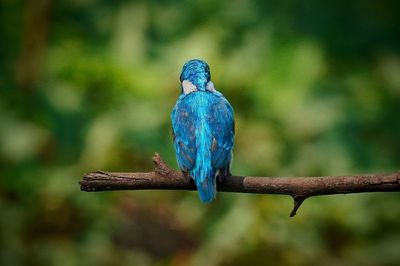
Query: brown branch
[(300, 188)]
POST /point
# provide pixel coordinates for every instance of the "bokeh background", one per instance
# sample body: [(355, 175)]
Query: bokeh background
[(88, 85)]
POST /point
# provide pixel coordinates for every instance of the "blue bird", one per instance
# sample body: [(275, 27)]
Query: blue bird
[(203, 129)]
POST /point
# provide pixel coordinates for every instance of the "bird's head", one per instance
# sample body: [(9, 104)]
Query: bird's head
[(195, 76)]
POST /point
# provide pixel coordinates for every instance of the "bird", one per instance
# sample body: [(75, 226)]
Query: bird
[(203, 130)]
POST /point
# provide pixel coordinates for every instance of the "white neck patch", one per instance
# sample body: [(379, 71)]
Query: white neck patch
[(188, 87), (210, 86)]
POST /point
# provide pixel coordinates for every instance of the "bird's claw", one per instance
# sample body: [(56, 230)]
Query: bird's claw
[(223, 175), (186, 176)]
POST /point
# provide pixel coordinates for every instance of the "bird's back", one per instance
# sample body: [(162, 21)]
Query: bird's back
[(203, 130)]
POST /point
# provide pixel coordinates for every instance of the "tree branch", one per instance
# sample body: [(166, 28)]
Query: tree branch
[(300, 188)]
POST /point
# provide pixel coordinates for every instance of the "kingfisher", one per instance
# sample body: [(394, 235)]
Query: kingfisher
[(203, 130)]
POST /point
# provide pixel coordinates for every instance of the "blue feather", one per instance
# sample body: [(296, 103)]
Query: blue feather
[(203, 129)]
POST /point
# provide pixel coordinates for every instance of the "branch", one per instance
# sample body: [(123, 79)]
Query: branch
[(299, 188)]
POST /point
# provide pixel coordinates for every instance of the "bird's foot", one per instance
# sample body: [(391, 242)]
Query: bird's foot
[(186, 176), (223, 175)]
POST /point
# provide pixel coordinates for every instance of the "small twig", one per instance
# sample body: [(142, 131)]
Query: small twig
[(300, 188), (297, 201)]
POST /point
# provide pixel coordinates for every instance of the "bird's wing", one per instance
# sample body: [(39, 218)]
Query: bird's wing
[(183, 131), (222, 125)]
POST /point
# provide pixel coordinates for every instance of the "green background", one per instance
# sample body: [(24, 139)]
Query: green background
[(88, 85)]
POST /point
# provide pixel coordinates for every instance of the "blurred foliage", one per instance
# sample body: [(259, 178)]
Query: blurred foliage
[(89, 84)]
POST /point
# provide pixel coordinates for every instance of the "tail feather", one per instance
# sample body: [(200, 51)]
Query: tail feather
[(206, 185), (205, 178)]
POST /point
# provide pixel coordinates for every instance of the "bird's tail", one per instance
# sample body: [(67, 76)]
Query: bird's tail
[(204, 177), (207, 188), (203, 173)]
